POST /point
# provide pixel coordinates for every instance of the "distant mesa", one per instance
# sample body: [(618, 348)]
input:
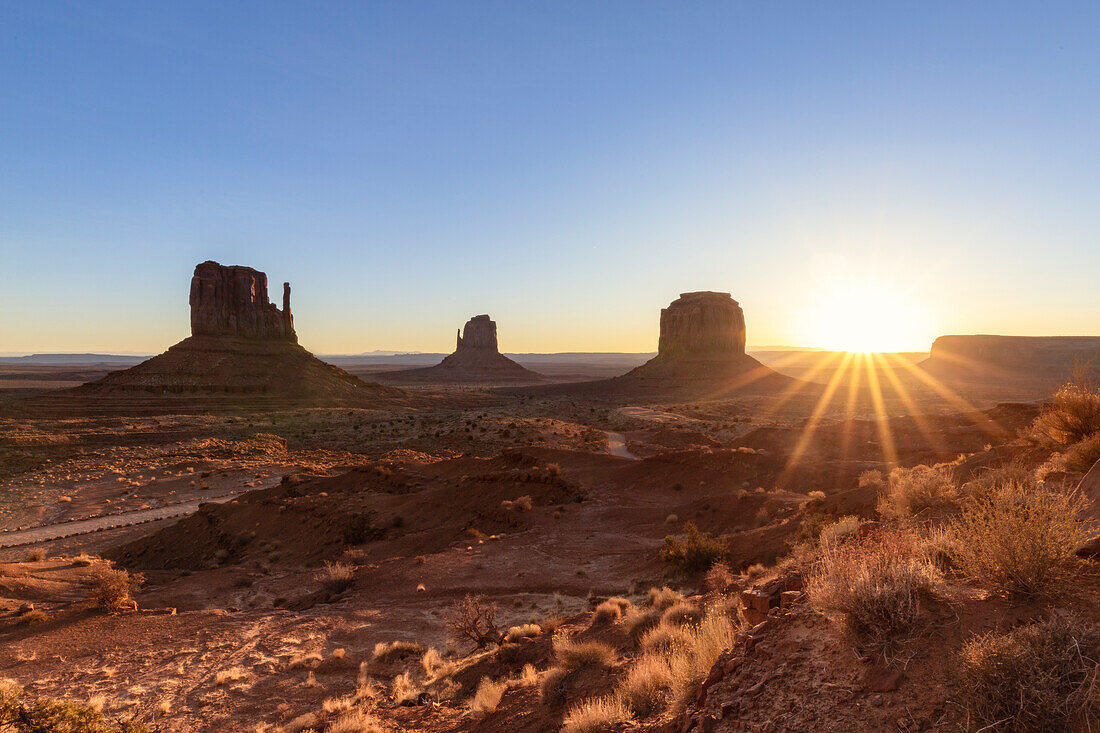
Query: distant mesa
[(243, 352), (476, 359), (1047, 360)]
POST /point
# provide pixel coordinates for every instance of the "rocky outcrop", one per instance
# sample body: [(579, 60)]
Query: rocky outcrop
[(703, 325), (476, 359), (232, 301)]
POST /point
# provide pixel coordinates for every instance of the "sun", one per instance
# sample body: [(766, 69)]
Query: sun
[(865, 316)]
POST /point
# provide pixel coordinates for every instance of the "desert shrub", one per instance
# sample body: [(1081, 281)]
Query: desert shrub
[(32, 618), (911, 491), (573, 655), (1079, 457), (666, 639), (876, 581), (337, 577), (595, 716), (46, 715), (474, 620), (611, 610), (111, 589), (225, 676), (1021, 538), (390, 651), (1040, 677), (1073, 416), (985, 483), (693, 552), (637, 621), (873, 479), (83, 560), (836, 532), (434, 665), (718, 578), (37, 555), (645, 687), (357, 529), (690, 667), (487, 697), (681, 614), (523, 631)]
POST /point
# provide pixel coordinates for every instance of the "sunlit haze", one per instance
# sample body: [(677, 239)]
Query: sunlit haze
[(859, 176)]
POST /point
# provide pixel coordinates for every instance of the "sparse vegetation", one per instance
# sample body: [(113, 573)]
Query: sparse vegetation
[(595, 716), (876, 581), (390, 651), (690, 667), (645, 688), (1040, 677), (487, 697), (1073, 417), (573, 655), (1020, 538), (46, 715), (611, 610), (695, 551), (523, 631), (337, 577), (914, 491)]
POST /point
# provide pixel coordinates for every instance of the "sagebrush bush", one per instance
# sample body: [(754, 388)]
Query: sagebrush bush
[(1033, 679), (1073, 417), (838, 531), (912, 491), (111, 589), (695, 551), (1020, 538), (1079, 457), (877, 581)]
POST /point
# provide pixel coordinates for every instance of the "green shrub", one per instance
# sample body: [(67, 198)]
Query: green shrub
[(695, 551)]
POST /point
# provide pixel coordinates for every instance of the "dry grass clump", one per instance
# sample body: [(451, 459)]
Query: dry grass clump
[(912, 491), (225, 676), (611, 610), (36, 555), (1073, 417), (637, 621), (876, 581), (573, 655), (46, 715), (337, 577), (694, 552), (839, 530), (435, 666), (83, 560), (32, 618), (111, 589), (523, 504), (1079, 457), (595, 716), (645, 687), (690, 667), (404, 689), (663, 598), (1020, 538), (389, 651), (664, 639), (682, 614), (1041, 677), (523, 631), (487, 697), (355, 721)]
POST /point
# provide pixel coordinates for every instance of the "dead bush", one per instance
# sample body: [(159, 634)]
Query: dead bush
[(695, 551), (111, 589), (912, 491), (876, 581), (1041, 677), (474, 620), (1073, 417), (1020, 539)]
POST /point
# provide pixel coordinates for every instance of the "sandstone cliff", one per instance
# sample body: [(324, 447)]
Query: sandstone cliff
[(232, 301)]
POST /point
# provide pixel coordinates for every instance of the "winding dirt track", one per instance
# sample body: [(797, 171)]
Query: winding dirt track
[(616, 446), (47, 532)]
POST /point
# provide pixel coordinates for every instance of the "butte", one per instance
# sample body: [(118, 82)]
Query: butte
[(243, 353), (476, 359)]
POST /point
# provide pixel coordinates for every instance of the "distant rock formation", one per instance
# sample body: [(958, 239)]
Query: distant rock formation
[(476, 359), (702, 337), (232, 301), (1037, 359), (243, 353)]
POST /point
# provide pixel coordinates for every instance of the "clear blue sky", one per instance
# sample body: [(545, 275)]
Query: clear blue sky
[(568, 167)]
